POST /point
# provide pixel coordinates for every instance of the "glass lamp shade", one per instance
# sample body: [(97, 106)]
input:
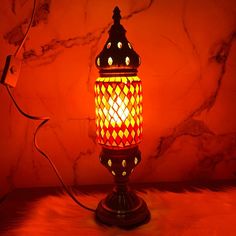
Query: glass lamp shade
[(118, 102)]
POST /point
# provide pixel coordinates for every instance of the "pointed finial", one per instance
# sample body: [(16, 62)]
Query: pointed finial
[(116, 15)]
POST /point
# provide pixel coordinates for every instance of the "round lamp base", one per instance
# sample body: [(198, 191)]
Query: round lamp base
[(123, 209)]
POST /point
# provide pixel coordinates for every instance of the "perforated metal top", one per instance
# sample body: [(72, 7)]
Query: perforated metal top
[(117, 56)]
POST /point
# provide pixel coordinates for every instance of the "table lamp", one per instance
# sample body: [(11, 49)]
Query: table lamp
[(118, 101)]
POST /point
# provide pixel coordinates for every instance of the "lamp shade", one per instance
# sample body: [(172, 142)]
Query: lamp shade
[(119, 118)]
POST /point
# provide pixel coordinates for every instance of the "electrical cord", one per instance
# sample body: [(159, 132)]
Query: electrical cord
[(44, 120), (27, 31)]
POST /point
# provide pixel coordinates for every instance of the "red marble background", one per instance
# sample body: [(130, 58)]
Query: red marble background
[(188, 52)]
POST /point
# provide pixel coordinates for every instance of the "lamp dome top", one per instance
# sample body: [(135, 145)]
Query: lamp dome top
[(118, 55)]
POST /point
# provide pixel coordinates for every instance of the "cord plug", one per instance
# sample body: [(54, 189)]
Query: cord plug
[(11, 71)]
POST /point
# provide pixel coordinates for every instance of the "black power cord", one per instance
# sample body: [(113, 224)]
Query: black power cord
[(44, 120)]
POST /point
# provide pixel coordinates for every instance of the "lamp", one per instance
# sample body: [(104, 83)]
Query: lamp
[(118, 100)]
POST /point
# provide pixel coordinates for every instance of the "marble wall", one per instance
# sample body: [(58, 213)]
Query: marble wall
[(188, 52)]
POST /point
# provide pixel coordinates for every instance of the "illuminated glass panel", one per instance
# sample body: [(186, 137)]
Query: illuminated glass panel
[(118, 111)]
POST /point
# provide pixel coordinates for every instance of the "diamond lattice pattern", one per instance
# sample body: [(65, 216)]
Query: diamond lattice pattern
[(118, 111)]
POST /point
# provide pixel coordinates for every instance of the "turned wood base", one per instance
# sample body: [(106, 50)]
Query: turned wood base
[(134, 210), (122, 207)]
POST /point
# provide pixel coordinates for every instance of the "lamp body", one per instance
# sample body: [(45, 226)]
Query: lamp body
[(118, 101)]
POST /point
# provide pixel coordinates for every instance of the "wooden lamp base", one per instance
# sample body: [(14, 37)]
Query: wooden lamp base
[(122, 207)]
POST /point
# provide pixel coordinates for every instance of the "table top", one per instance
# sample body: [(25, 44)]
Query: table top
[(176, 209)]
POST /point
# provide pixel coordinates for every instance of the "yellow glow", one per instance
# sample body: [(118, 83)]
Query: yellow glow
[(126, 90), (109, 162), (127, 61), (110, 61), (124, 79), (114, 134), (98, 61), (138, 131), (110, 89), (127, 122), (126, 133), (108, 134), (133, 111), (106, 123), (119, 45), (124, 163), (118, 90), (103, 89)]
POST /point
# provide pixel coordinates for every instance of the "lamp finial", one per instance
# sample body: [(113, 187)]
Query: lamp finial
[(116, 15)]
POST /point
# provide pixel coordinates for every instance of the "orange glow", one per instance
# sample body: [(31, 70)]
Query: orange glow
[(118, 110)]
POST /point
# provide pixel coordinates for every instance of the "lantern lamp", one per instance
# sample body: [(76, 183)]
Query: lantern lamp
[(118, 101)]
